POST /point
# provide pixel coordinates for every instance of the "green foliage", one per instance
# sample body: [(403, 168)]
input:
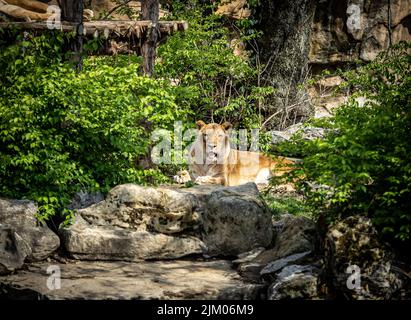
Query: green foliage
[(62, 131), (222, 85), (363, 166)]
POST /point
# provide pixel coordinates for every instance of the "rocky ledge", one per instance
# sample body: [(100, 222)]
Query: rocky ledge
[(178, 279)]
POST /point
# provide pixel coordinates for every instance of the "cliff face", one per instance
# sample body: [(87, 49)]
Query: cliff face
[(346, 30)]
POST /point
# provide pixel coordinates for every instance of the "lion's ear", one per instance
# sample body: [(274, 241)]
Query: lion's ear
[(227, 125), (200, 124)]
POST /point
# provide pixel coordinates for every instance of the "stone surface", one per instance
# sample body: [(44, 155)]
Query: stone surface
[(86, 241), (130, 206), (85, 199), (125, 280), (306, 132), (354, 242), (292, 235), (234, 9), (20, 215), (248, 256), (13, 250), (102, 7), (236, 220), (137, 223), (277, 265), (295, 282)]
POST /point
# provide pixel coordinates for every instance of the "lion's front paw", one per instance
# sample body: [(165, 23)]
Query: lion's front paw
[(204, 180), (182, 177)]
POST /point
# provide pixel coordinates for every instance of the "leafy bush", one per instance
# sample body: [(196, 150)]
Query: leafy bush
[(62, 131), (363, 166)]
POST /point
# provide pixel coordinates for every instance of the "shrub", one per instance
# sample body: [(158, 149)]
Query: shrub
[(363, 166)]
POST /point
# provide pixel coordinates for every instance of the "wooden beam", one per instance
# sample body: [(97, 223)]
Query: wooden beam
[(150, 10)]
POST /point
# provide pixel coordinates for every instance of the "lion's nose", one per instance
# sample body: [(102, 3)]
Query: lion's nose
[(212, 145)]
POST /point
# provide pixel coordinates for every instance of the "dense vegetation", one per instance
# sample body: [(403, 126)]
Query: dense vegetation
[(363, 165)]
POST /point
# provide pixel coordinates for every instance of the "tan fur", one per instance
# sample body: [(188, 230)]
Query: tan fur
[(214, 162), (31, 10)]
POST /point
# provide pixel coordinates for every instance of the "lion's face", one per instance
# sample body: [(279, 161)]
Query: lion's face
[(215, 142)]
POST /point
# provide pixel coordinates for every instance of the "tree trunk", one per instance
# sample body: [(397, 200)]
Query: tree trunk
[(284, 47), (150, 11), (72, 11)]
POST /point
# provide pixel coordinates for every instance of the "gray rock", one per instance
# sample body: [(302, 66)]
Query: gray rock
[(295, 282), (136, 222), (84, 199), (13, 250), (250, 271), (293, 235), (20, 215), (98, 280), (354, 242), (306, 132), (95, 242), (248, 256), (332, 42)]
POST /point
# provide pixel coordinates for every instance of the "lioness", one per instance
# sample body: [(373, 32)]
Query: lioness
[(213, 161)]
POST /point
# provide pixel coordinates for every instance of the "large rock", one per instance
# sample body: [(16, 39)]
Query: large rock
[(98, 280), (332, 42), (13, 250), (137, 223), (236, 220), (20, 216), (295, 238), (295, 282), (354, 242), (292, 235)]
